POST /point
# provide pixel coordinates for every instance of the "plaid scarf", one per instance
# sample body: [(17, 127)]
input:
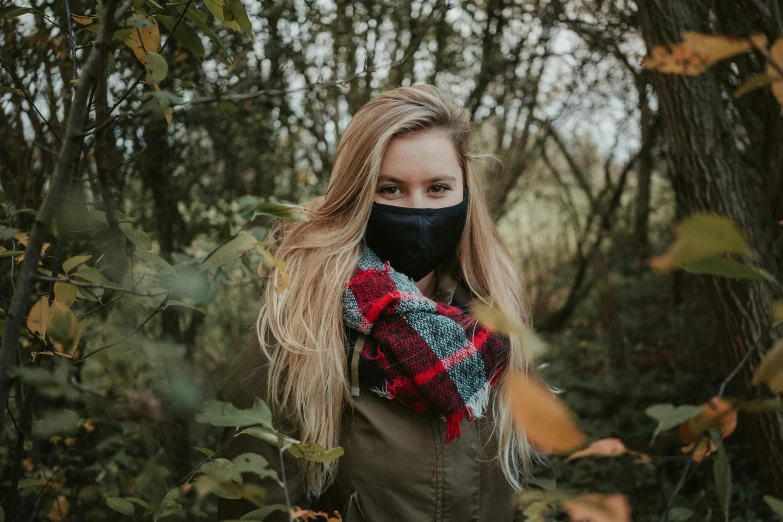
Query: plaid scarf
[(426, 354)]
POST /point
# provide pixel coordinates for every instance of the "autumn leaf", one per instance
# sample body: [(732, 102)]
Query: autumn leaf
[(82, 20), (545, 420), (704, 449), (697, 52), (770, 370), (308, 515), (701, 236), (144, 36), (495, 320), (270, 261), (717, 413), (60, 509), (594, 507), (65, 329), (605, 448), (773, 70), (38, 318), (65, 293)]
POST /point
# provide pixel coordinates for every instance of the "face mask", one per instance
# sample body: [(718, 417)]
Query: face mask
[(416, 240)]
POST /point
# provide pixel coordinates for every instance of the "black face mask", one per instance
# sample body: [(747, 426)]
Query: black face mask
[(416, 240)]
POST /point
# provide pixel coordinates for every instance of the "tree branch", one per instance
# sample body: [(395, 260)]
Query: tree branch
[(51, 203)]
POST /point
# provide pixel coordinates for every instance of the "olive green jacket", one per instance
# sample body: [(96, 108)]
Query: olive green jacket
[(395, 466)]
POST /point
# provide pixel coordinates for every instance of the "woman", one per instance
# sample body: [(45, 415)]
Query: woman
[(405, 197)]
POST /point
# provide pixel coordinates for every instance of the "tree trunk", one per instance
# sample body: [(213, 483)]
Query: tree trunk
[(709, 173)]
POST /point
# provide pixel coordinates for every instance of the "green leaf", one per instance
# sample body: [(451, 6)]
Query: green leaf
[(7, 233), (11, 253), (12, 11), (165, 509), (153, 258), (722, 472), (156, 66), (8, 90), (72, 262), (99, 216), (172, 302), (225, 414), (679, 514), (755, 82), (226, 253), (50, 384), (725, 267), (26, 483), (216, 7), (222, 470), (261, 514), (254, 463), (136, 236), (141, 502), (200, 19), (91, 275), (669, 416), (120, 505), (270, 436), (206, 451), (762, 406), (184, 34), (281, 211), (240, 15), (775, 504), (315, 452), (54, 422)]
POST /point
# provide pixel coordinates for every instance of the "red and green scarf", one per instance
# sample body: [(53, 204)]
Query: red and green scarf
[(427, 355)]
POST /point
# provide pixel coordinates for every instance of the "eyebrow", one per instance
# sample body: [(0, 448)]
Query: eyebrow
[(434, 179)]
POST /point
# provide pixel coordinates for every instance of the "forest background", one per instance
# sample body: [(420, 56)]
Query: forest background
[(143, 143)]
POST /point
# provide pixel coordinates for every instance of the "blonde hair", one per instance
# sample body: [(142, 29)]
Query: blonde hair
[(300, 330)]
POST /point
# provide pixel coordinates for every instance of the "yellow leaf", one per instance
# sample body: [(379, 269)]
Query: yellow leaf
[(65, 329), (601, 448), (595, 507), (60, 509), (697, 52), (143, 40), (700, 236), (270, 261), (777, 311), (770, 370), (717, 412), (545, 420), (82, 20), (305, 514), (38, 319), (776, 52), (495, 320), (64, 293), (705, 448), (88, 426)]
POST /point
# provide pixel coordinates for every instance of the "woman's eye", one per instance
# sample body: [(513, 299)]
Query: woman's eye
[(440, 188), (389, 190)]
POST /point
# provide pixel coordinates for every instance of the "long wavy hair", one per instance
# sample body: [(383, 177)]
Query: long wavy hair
[(300, 329)]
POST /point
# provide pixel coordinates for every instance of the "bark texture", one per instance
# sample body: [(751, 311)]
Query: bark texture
[(710, 174)]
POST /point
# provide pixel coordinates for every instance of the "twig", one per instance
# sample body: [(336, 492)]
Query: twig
[(282, 475), (721, 389), (113, 288), (153, 314), (20, 86), (71, 38), (148, 147), (51, 203), (162, 47)]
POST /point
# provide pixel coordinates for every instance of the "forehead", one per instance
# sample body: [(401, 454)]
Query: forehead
[(417, 158)]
